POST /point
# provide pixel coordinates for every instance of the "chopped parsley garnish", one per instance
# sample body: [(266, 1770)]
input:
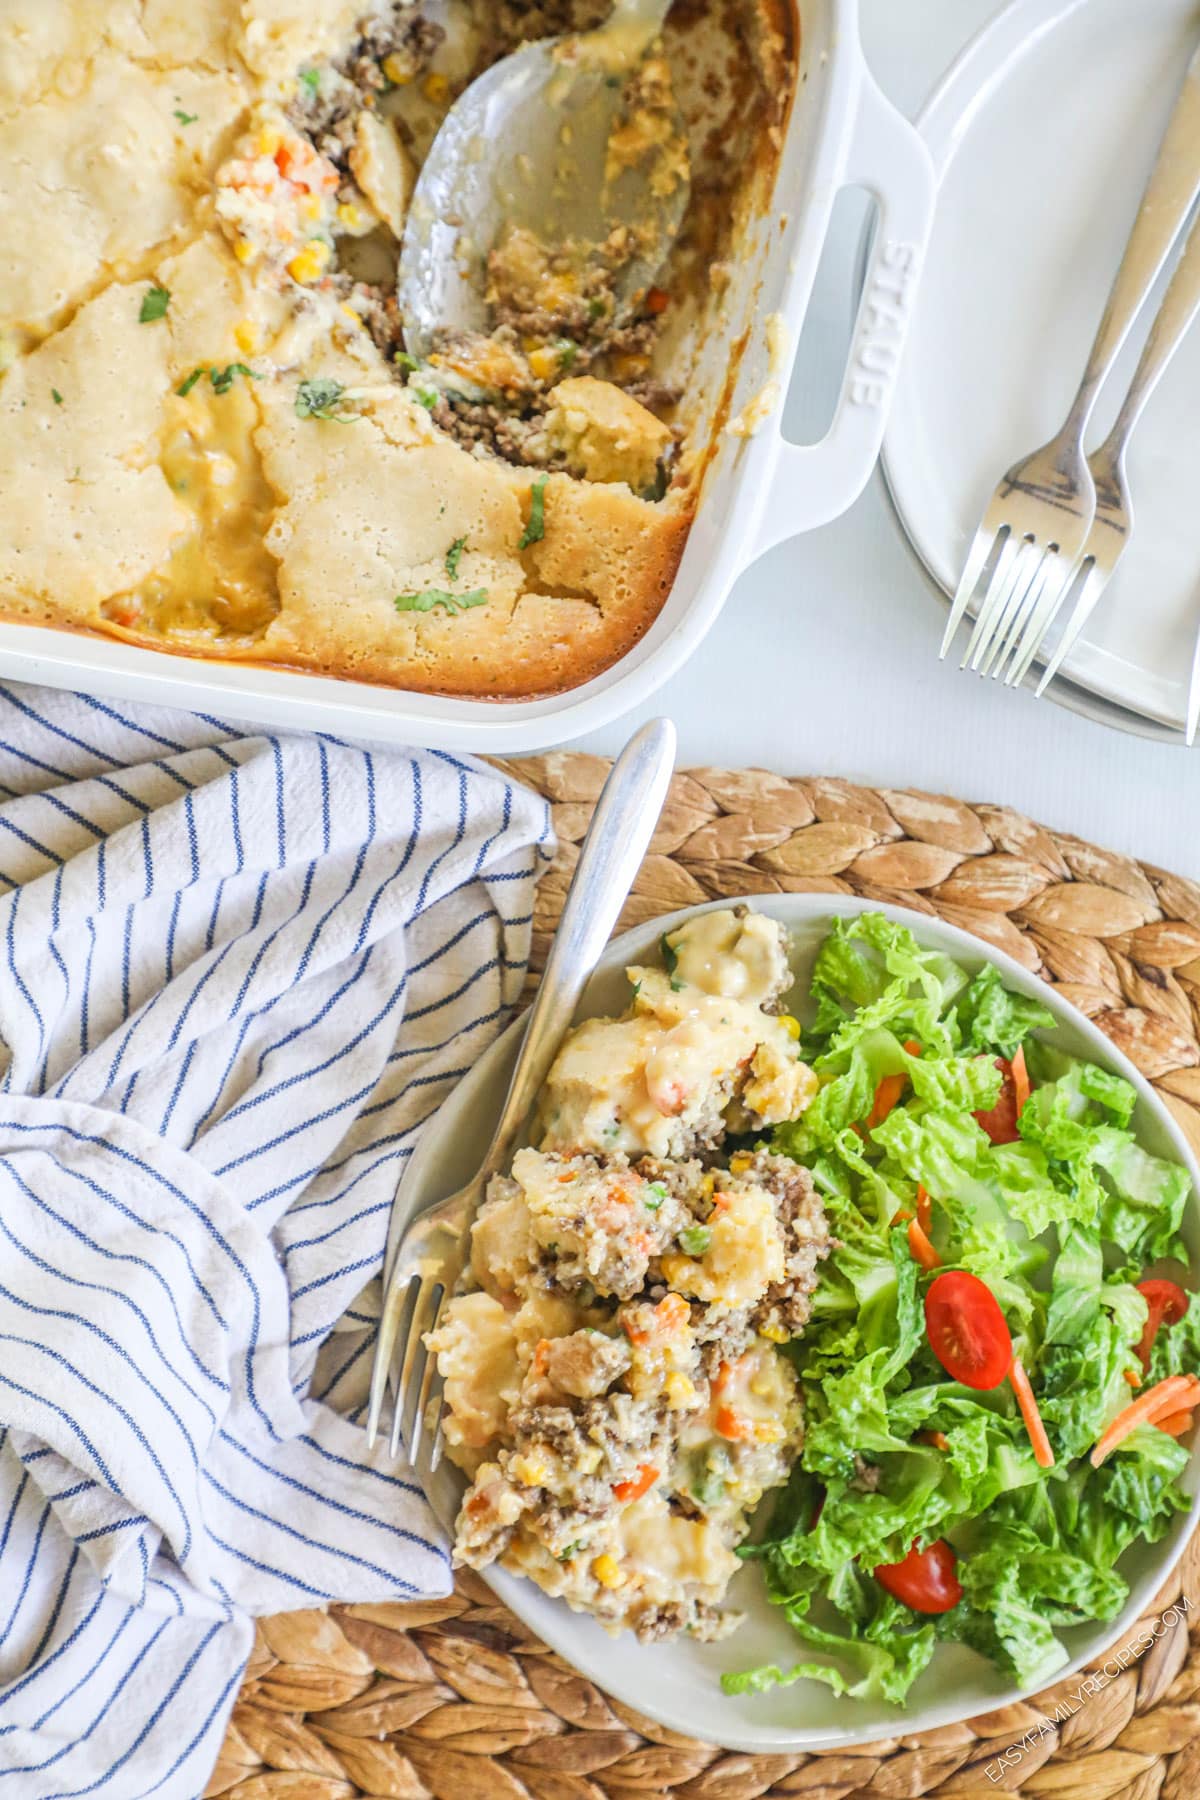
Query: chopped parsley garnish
[(311, 79), (566, 1555), (535, 530), (56, 396), (222, 379), (695, 1239), (155, 302), (186, 118), (597, 307), (428, 598), (454, 557), (567, 350), (670, 955), (408, 365), (428, 397), (320, 397), (659, 1190)]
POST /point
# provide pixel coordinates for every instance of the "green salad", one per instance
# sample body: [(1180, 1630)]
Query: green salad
[(999, 1223)]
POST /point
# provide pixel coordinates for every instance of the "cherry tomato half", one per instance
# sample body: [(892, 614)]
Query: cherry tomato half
[(1001, 1122), (1166, 1302), (966, 1330), (925, 1580)]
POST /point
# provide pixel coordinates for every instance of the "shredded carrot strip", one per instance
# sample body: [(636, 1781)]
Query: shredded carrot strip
[(937, 1439), (886, 1096), (1043, 1455), (1132, 1379), (1175, 1424), (921, 1248), (1158, 1402), (1020, 1075), (924, 1210), (890, 1089)]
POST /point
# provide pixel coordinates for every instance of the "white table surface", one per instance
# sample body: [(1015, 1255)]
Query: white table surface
[(825, 658)]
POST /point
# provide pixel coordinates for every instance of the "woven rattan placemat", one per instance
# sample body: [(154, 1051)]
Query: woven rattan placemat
[(453, 1698)]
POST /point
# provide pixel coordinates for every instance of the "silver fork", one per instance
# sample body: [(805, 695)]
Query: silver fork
[(432, 1250), (1112, 527), (1036, 524)]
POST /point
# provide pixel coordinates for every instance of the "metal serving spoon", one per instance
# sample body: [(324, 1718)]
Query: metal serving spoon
[(426, 1254), (527, 145)]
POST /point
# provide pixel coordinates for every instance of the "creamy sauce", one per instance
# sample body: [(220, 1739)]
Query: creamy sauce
[(722, 954), (220, 578)]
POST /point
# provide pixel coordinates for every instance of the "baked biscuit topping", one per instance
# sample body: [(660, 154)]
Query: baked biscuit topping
[(614, 1386)]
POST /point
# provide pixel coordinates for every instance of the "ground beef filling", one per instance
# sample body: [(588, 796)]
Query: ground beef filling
[(576, 334)]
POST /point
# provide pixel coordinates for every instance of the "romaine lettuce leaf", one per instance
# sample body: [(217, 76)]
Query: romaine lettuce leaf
[(1059, 1224)]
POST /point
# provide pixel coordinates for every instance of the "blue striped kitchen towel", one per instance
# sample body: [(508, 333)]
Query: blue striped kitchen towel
[(237, 974)]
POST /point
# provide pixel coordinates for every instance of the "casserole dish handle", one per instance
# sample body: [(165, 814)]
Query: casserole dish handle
[(814, 483)]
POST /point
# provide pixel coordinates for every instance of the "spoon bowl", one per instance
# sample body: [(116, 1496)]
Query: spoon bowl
[(530, 146)]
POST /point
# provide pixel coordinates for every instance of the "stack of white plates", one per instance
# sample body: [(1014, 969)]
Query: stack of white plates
[(1043, 133)]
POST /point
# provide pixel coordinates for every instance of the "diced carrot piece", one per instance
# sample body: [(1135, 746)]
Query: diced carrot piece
[(937, 1439), (642, 1482), (1043, 1455), (657, 300), (672, 1311), (731, 1424), (924, 1210)]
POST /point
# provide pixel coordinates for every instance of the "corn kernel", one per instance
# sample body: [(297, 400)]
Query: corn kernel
[(679, 1390), (436, 88), (761, 1387), (676, 1269), (740, 1163), (309, 207), (354, 218), (544, 362), (767, 1432), (774, 1334), (245, 336), (530, 1472), (310, 263), (607, 1571), (245, 251), (790, 1025), (398, 69), (267, 141)]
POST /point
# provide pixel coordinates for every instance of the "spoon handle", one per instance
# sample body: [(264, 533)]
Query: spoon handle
[(621, 828)]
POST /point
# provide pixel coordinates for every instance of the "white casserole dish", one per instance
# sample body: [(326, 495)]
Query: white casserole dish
[(757, 490)]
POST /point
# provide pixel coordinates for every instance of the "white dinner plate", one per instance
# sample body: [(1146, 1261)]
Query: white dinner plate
[(677, 1682), (1043, 134)]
